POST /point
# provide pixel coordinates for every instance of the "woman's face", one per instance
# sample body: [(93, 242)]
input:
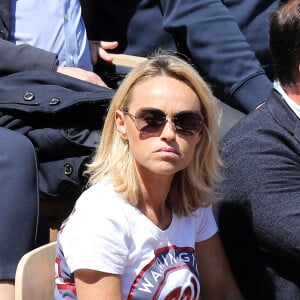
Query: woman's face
[(161, 150)]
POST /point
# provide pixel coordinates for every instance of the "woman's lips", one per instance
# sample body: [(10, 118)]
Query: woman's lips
[(167, 150)]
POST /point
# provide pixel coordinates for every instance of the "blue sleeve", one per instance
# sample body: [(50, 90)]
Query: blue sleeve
[(24, 58), (208, 32)]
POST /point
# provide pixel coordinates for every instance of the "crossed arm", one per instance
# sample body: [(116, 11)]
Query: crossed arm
[(25, 57), (215, 275)]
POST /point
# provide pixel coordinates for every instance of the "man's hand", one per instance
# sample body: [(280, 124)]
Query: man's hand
[(98, 50), (82, 74)]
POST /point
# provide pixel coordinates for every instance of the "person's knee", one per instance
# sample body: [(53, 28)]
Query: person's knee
[(16, 144), (18, 154)]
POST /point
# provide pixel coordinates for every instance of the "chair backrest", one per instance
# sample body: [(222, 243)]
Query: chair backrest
[(35, 274)]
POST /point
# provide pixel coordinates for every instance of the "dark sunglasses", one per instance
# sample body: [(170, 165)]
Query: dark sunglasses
[(151, 121)]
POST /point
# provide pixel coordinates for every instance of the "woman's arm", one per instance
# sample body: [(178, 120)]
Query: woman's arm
[(216, 278), (94, 285)]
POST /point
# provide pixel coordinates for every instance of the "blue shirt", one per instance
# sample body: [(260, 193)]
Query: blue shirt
[(52, 25)]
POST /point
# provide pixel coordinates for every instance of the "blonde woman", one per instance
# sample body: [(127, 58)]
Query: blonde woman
[(144, 228)]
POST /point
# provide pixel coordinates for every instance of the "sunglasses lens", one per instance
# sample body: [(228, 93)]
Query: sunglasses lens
[(150, 120), (188, 123)]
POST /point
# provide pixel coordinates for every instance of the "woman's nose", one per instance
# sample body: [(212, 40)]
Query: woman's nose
[(169, 130)]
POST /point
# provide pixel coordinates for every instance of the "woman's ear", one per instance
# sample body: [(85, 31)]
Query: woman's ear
[(120, 124)]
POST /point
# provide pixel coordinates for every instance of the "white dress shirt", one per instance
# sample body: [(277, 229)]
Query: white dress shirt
[(291, 103)]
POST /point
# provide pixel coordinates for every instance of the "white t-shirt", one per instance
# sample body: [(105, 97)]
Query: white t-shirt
[(107, 234)]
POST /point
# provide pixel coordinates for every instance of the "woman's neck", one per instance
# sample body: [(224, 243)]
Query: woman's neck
[(160, 216), (153, 201)]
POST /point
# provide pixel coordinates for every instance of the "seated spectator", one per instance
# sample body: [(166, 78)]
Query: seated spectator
[(259, 215), (225, 40), (61, 45), (19, 203), (145, 223), (25, 44), (64, 135)]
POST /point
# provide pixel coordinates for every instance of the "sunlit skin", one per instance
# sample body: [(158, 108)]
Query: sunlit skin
[(158, 158), (164, 155)]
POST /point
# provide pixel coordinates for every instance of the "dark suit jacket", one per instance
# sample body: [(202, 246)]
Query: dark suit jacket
[(19, 58), (63, 118), (206, 31), (259, 217)]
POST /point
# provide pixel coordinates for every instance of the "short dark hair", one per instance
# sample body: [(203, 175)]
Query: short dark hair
[(284, 42)]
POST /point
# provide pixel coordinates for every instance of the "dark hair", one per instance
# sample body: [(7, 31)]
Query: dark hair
[(284, 42)]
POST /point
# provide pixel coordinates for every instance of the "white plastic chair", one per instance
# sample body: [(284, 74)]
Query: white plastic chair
[(35, 274)]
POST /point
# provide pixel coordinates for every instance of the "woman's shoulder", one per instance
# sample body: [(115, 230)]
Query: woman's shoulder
[(101, 198), (99, 192), (98, 206)]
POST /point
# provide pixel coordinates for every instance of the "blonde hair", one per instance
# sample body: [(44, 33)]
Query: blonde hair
[(192, 187)]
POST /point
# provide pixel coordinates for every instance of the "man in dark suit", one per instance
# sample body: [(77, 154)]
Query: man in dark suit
[(55, 123), (61, 141), (259, 215)]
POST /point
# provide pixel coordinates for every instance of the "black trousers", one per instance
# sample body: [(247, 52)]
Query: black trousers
[(20, 226)]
